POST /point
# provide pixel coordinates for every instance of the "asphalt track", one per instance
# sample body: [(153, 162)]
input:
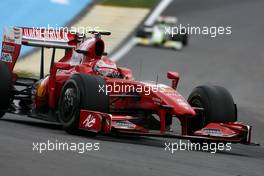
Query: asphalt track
[(236, 62)]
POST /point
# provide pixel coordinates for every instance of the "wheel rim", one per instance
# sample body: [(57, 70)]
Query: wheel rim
[(200, 120), (69, 103)]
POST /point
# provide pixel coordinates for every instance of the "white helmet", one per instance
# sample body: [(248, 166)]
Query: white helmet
[(106, 67)]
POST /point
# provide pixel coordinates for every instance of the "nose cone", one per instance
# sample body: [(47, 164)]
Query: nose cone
[(170, 97), (180, 106)]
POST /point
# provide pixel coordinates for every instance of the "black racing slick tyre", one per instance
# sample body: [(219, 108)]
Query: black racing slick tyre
[(183, 38), (142, 33), (217, 106), (5, 88), (81, 92)]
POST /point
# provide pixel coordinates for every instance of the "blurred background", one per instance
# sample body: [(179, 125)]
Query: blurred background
[(30, 13), (235, 62)]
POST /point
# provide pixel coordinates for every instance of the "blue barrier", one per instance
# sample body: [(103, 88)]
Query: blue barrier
[(32, 13)]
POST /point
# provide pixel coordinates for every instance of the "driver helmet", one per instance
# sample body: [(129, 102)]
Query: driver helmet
[(107, 68)]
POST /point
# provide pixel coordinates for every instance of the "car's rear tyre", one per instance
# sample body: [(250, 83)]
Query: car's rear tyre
[(81, 92), (142, 33), (5, 88), (181, 37), (185, 39), (217, 103)]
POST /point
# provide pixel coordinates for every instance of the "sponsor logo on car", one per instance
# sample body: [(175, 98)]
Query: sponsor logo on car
[(49, 35), (6, 57), (89, 121), (125, 124), (213, 132), (8, 48), (156, 101)]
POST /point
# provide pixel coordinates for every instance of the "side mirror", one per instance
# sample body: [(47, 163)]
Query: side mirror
[(175, 77)]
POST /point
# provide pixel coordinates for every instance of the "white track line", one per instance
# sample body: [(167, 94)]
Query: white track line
[(157, 11), (150, 20), (122, 51)]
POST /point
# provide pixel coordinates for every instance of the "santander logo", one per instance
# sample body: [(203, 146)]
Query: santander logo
[(89, 121)]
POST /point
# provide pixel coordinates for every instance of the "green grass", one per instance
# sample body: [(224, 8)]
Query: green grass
[(131, 3), (26, 74)]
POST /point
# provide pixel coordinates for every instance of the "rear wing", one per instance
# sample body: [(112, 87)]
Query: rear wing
[(48, 38), (14, 37)]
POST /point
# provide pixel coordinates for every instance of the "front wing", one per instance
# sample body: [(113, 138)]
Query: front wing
[(99, 122)]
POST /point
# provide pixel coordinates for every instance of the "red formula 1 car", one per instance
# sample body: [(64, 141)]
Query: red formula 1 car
[(84, 91)]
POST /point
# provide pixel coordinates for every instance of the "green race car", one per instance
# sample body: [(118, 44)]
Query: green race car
[(156, 36)]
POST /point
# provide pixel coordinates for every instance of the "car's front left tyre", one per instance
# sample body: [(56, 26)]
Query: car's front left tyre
[(81, 92)]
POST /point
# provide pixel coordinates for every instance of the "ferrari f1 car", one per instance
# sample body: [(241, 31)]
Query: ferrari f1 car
[(84, 91), (156, 35)]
